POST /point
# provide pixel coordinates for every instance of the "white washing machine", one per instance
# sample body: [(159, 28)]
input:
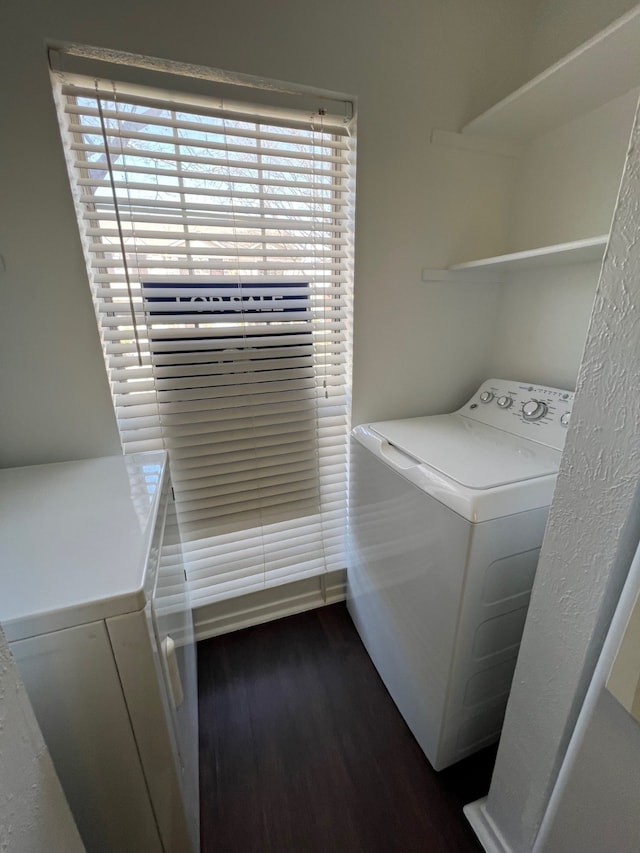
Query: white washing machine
[(446, 519)]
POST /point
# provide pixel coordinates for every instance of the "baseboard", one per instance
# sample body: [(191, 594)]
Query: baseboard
[(484, 828), (266, 605)]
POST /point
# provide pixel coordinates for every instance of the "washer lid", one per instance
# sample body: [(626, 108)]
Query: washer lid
[(471, 453)]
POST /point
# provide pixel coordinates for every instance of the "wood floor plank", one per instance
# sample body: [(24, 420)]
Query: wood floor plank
[(302, 750)]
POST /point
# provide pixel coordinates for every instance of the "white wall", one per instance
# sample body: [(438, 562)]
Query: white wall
[(562, 25), (542, 319), (568, 179), (565, 188), (34, 815), (595, 804), (592, 534), (413, 66), (599, 809)]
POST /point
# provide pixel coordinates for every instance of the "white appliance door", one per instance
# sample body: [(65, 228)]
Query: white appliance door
[(172, 624), (471, 453)]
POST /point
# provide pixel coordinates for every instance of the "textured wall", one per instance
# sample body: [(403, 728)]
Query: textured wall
[(34, 816), (593, 530)]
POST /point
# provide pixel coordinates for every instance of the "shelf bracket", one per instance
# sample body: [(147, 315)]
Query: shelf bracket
[(462, 276), (479, 144)]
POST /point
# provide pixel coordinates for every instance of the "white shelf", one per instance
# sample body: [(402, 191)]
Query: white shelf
[(492, 269), (576, 252), (606, 66)]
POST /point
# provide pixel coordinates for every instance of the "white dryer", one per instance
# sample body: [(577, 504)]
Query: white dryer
[(446, 519)]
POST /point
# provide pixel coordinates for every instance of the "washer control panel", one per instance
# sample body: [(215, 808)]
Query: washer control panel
[(537, 412)]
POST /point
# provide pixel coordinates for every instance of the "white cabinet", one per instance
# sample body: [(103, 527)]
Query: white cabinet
[(73, 685), (97, 615)]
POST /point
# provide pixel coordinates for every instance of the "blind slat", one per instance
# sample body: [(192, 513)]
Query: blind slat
[(188, 219), (336, 118), (128, 207), (150, 120), (310, 255), (213, 185), (315, 156), (119, 279), (213, 175)]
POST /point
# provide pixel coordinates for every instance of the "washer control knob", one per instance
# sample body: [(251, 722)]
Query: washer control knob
[(504, 402), (486, 396), (565, 418), (533, 410)]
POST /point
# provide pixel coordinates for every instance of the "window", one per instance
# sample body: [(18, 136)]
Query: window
[(218, 242)]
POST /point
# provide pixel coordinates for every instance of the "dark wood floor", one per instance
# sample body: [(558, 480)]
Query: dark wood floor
[(303, 751)]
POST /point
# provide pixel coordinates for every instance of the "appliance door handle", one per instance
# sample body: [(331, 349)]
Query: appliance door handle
[(397, 458), (173, 671)]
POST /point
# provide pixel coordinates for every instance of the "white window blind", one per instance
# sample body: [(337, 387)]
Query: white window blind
[(218, 242)]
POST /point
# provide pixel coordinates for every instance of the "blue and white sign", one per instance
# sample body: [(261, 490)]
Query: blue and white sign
[(228, 298)]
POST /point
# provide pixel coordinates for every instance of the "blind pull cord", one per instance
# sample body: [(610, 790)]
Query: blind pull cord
[(119, 225), (321, 113)]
